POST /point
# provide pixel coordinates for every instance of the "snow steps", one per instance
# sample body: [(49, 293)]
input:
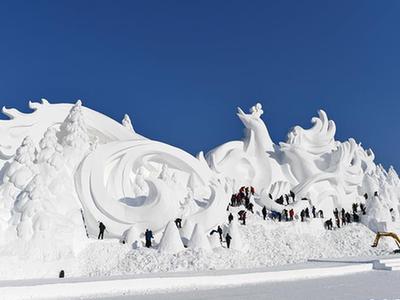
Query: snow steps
[(388, 264)]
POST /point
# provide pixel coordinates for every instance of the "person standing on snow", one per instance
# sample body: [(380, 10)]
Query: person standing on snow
[(230, 218), (314, 212), (228, 239), (219, 230), (102, 227), (291, 214), (302, 213), (264, 212), (148, 236)]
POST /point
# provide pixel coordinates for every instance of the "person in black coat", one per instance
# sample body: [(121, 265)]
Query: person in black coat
[(348, 218), (328, 224), (230, 218), (362, 206), (302, 213), (250, 207), (264, 212), (148, 236), (307, 213), (356, 218), (219, 230), (228, 239), (178, 222), (102, 227)]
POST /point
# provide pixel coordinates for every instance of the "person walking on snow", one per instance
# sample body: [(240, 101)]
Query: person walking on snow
[(102, 227), (148, 236)]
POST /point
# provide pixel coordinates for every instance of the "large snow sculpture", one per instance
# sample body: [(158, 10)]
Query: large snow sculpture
[(67, 164)]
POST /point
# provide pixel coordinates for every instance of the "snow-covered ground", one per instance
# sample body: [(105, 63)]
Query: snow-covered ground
[(272, 243), (377, 285)]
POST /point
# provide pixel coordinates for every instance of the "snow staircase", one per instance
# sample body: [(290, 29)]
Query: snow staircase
[(388, 264)]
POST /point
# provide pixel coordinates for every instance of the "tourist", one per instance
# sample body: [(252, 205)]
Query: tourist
[(242, 216), (336, 213), (392, 213), (348, 218), (230, 218), (148, 236), (291, 214), (313, 210), (355, 207), (337, 223), (302, 213), (362, 207), (178, 221), (344, 219), (307, 213), (102, 227), (356, 218), (250, 207), (286, 215), (219, 230), (228, 239), (328, 224), (264, 212)]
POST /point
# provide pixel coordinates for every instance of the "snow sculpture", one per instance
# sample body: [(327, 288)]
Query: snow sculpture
[(251, 161), (67, 164), (199, 240), (171, 241), (378, 216), (237, 242), (186, 231), (214, 241), (46, 115)]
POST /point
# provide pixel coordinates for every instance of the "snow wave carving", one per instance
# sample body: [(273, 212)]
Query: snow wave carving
[(317, 140), (107, 184)]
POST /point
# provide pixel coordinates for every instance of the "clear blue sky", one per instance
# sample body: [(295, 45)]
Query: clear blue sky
[(180, 68)]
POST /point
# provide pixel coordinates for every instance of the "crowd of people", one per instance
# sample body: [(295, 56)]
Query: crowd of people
[(245, 198)]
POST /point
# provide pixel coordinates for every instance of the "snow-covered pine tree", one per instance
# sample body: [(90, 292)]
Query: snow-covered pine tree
[(50, 149), (73, 130)]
